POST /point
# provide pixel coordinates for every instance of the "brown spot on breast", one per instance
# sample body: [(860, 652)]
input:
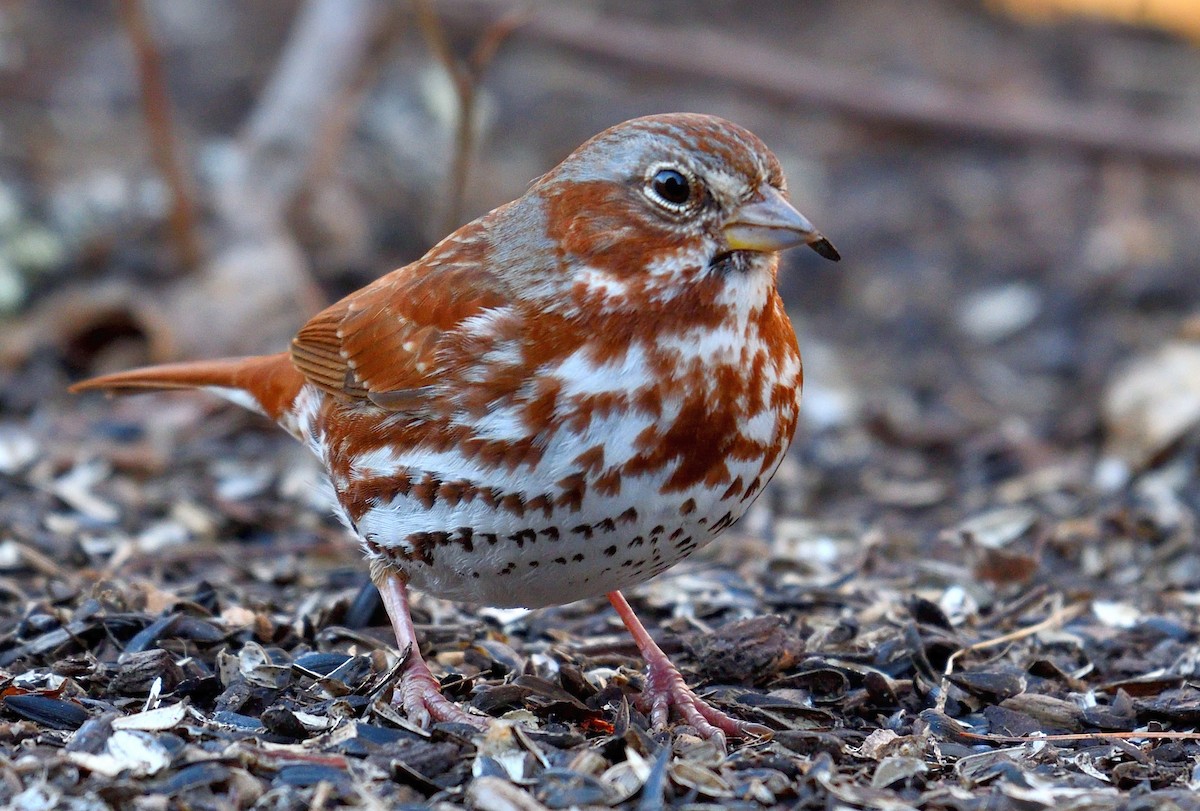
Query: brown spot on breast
[(466, 538), (360, 495), (486, 452), (649, 400), (772, 455), (722, 523), (514, 504), (572, 500), (717, 474), (752, 488), (542, 503), (697, 441), (521, 537), (573, 487), (735, 488), (608, 484), (422, 547), (539, 411), (451, 492), (426, 490), (591, 460), (496, 453)]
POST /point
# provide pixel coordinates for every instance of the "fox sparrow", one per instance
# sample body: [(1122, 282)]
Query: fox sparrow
[(563, 397)]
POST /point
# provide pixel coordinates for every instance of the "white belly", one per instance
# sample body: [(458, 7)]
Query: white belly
[(536, 559)]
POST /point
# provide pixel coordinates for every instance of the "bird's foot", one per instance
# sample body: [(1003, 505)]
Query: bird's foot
[(419, 695), (667, 694), (417, 692)]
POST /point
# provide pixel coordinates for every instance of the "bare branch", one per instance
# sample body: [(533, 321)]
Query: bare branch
[(335, 128), (770, 73), (321, 59), (164, 145), (465, 75), (256, 289)]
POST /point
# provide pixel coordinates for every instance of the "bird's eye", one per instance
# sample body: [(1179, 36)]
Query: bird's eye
[(670, 188)]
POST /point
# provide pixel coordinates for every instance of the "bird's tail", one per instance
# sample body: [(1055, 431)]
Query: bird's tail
[(267, 383)]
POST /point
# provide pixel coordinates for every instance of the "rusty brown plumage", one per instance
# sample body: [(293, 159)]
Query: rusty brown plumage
[(562, 398)]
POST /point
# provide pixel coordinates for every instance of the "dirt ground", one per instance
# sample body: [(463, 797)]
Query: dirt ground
[(974, 584)]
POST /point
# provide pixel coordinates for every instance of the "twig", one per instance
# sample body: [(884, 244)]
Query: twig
[(1060, 616), (943, 727), (45, 565), (1164, 735), (782, 76), (465, 90), (465, 76), (260, 257), (334, 128), (1018, 606), (164, 146), (324, 52), (255, 289)]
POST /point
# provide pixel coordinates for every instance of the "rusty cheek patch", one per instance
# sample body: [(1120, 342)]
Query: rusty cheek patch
[(595, 221)]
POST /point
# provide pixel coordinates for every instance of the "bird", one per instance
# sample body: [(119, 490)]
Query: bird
[(562, 398)]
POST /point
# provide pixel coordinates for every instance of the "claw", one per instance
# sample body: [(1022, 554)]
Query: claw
[(666, 692), (418, 692), (420, 696)]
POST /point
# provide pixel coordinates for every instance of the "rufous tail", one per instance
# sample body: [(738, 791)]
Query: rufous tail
[(271, 381)]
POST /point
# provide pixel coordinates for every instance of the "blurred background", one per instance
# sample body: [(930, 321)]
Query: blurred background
[(1014, 186)]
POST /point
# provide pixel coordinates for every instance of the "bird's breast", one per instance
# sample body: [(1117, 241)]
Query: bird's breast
[(590, 472)]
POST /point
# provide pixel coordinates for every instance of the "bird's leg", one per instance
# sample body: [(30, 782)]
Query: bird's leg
[(417, 692), (666, 691)]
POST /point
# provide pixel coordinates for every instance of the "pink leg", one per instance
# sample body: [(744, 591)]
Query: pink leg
[(418, 692), (666, 691)]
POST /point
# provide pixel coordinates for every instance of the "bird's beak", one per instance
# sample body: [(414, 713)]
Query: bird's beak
[(770, 223)]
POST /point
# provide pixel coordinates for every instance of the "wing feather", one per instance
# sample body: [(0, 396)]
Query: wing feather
[(385, 342)]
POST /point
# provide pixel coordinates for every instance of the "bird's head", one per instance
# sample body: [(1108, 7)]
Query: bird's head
[(678, 190)]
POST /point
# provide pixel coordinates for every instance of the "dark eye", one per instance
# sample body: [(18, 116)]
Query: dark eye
[(671, 187)]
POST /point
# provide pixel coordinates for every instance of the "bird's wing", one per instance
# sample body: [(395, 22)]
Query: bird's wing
[(382, 343)]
